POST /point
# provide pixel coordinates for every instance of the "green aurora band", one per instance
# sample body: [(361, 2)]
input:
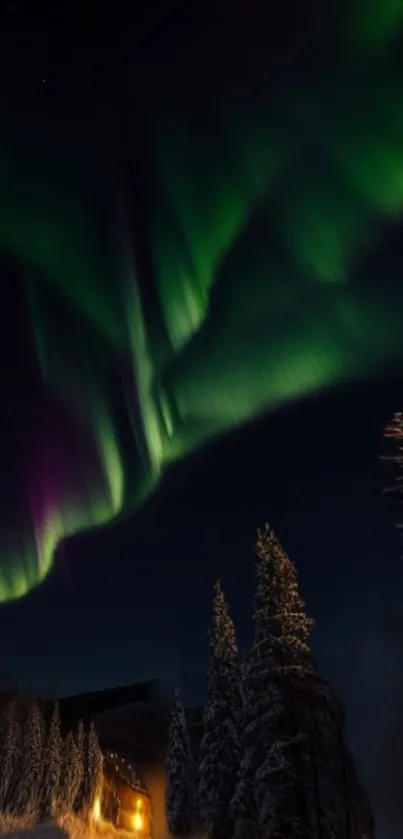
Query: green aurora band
[(261, 214)]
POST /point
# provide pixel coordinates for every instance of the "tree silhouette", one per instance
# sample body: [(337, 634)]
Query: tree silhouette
[(220, 748), (270, 796), (10, 757), (53, 753), (180, 775), (32, 765), (71, 775), (94, 768)]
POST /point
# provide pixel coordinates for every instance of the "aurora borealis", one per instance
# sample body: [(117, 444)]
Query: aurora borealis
[(188, 267)]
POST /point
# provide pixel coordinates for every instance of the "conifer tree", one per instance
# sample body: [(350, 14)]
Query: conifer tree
[(32, 764), (80, 739), (296, 777), (220, 749), (71, 775), (270, 796), (94, 768), (53, 753), (81, 765), (10, 757), (180, 775)]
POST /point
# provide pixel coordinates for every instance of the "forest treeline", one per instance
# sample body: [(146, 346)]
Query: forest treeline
[(273, 760), (43, 774)]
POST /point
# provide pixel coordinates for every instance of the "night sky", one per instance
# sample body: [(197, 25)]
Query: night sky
[(128, 594), (133, 602)]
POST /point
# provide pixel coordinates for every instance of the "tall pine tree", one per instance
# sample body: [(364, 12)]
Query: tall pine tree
[(32, 766), (81, 765), (180, 798), (53, 755), (220, 750), (10, 757), (270, 796), (71, 775), (94, 768)]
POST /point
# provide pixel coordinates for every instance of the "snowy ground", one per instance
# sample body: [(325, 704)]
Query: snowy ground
[(70, 826)]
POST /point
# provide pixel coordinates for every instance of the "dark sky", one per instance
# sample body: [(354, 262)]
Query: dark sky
[(133, 601), (312, 470)]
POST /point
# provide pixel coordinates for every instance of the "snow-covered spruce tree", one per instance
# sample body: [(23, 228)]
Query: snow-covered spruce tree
[(29, 790), (270, 795), (94, 767), (180, 792), (10, 758), (81, 768), (52, 765), (71, 775), (220, 751)]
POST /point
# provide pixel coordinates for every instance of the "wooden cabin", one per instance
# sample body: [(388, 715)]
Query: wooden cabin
[(122, 799), (133, 722)]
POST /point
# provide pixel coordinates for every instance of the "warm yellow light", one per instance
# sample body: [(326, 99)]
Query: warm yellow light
[(138, 821), (96, 810)]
